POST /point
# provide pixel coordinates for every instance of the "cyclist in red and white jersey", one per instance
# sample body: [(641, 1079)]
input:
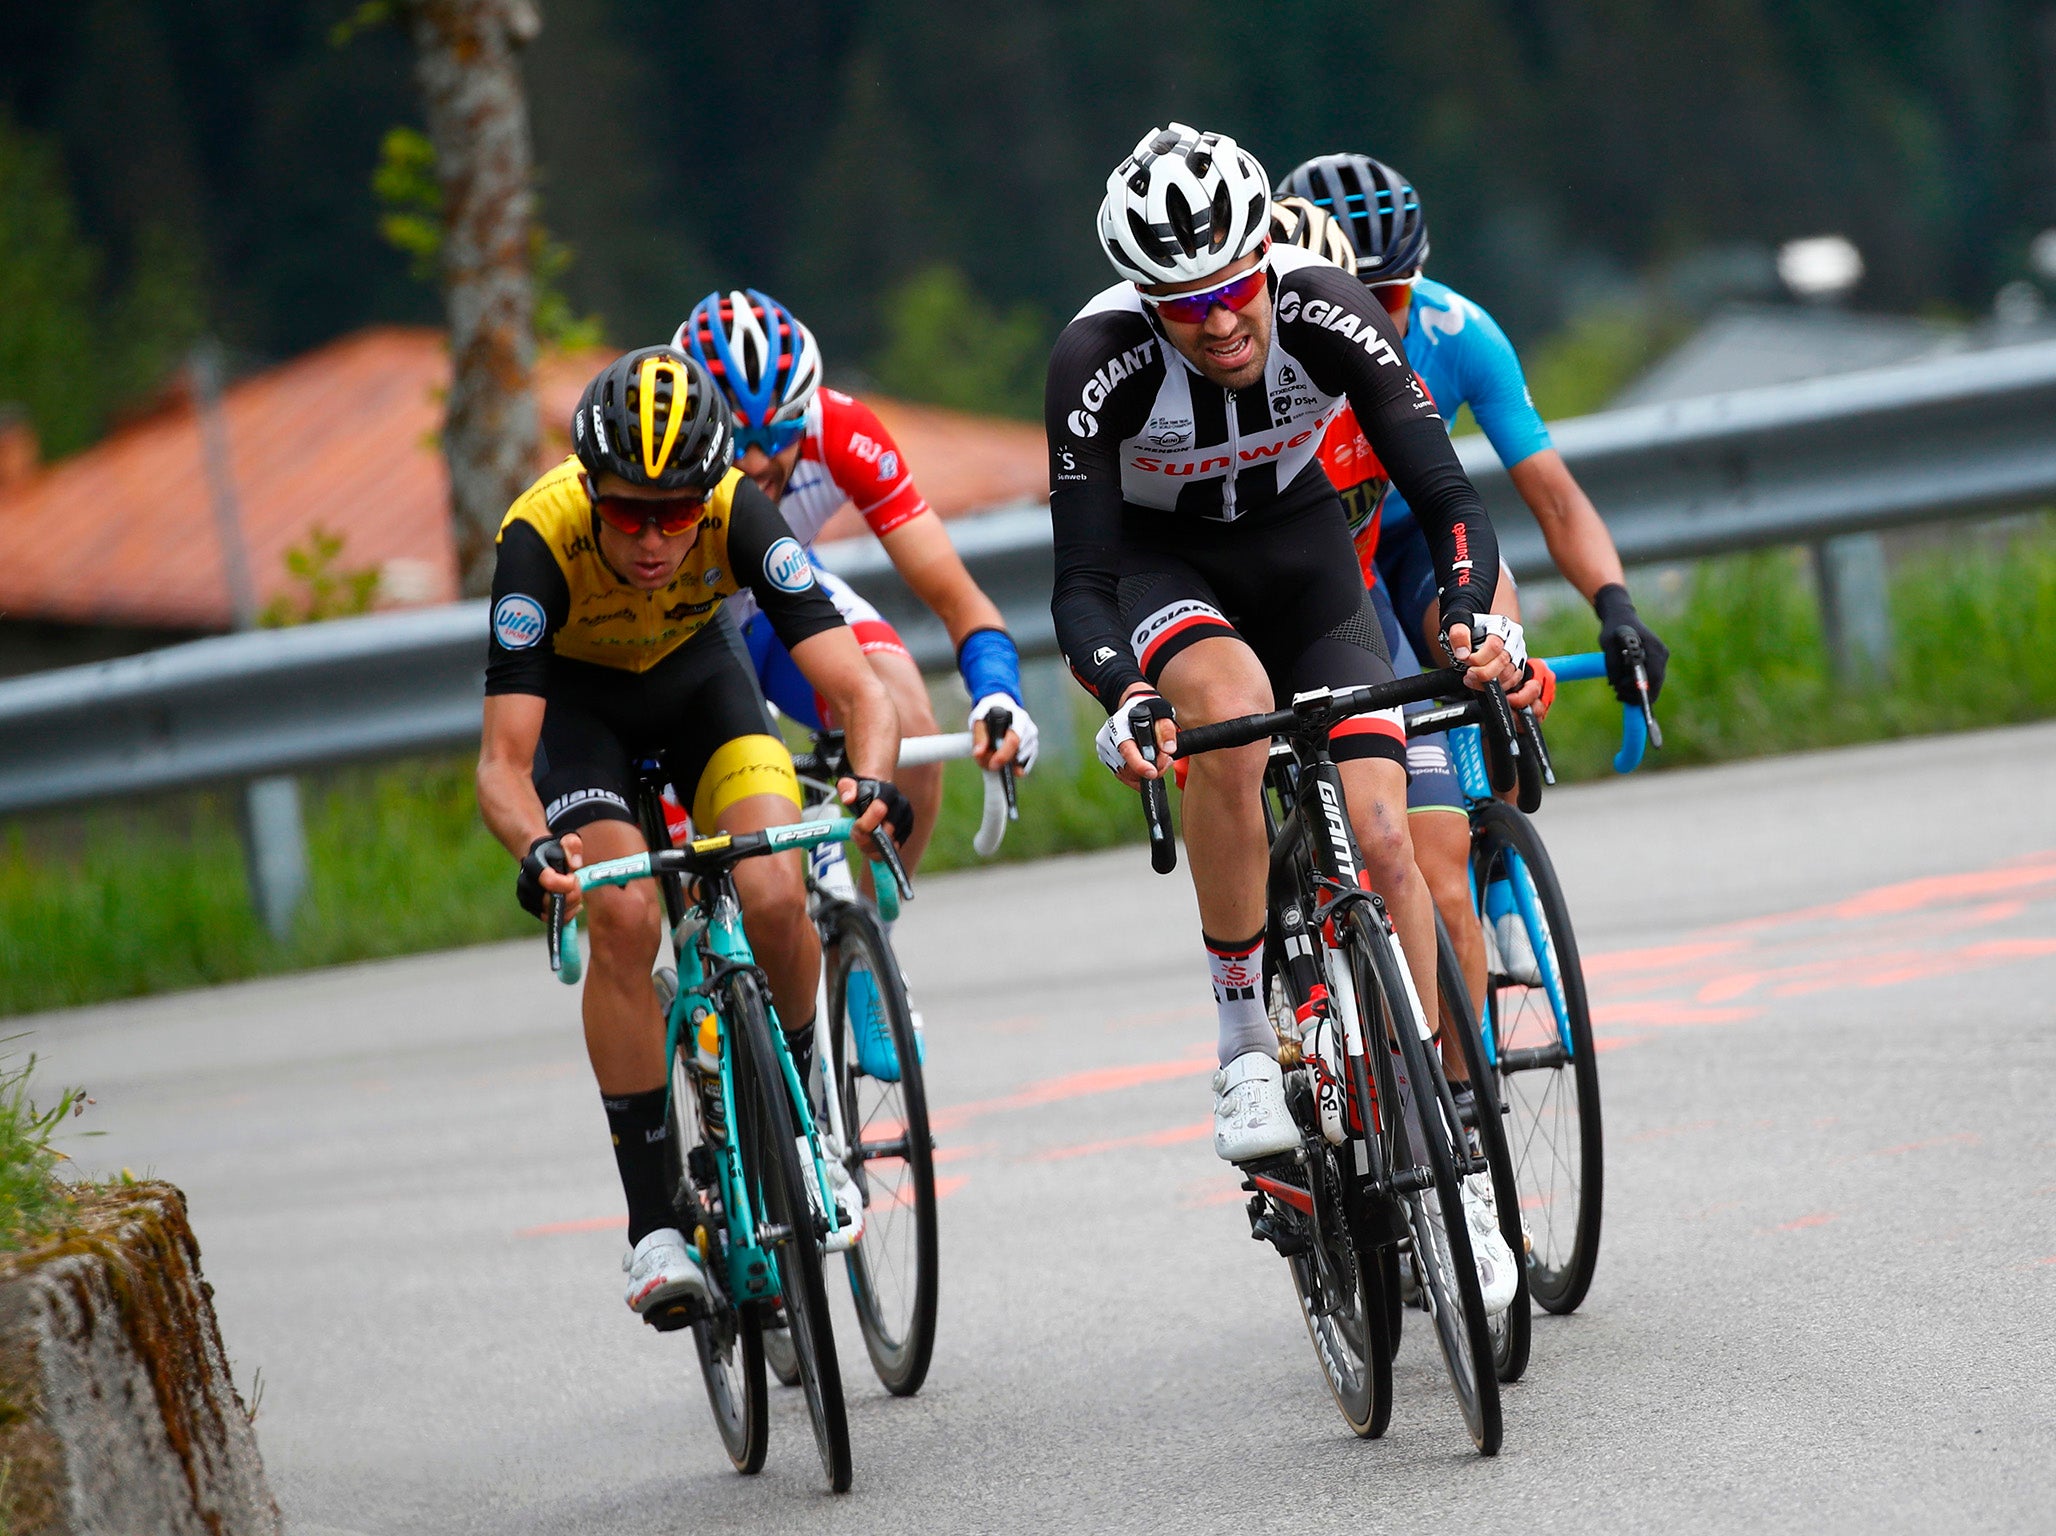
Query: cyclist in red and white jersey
[(814, 450)]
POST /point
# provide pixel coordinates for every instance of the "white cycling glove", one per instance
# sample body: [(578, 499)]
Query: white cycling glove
[(1120, 727), (1021, 724), (1509, 631)]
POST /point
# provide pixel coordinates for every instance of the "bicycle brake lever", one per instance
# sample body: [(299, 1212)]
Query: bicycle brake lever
[(555, 931), (1631, 647), (998, 722)]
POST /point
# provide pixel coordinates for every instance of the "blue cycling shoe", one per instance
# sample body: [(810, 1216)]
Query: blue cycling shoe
[(877, 1054)]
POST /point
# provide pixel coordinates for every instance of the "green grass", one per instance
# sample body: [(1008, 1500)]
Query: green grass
[(33, 1202), (122, 901)]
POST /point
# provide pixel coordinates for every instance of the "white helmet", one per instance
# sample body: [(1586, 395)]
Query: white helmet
[(1183, 206), (1295, 221)]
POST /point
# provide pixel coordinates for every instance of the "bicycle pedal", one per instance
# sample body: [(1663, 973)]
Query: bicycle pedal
[(674, 1315)]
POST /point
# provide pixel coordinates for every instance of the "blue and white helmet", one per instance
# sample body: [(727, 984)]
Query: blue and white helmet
[(1184, 205), (765, 361)]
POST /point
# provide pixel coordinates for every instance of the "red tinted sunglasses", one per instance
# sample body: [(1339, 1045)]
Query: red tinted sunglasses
[(673, 515), (1193, 308)]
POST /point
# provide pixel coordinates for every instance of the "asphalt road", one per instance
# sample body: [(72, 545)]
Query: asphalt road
[(1826, 1298)]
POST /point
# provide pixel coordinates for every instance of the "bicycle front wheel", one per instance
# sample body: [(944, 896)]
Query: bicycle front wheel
[(729, 1342), (1542, 1053), (892, 1269), (787, 1221), (1512, 1329), (1440, 1237)]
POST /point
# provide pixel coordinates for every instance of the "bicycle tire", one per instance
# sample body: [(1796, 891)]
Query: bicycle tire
[(729, 1344), (1513, 1330), (1555, 1162), (896, 1313), (1354, 1350), (771, 1163), (1447, 1268)]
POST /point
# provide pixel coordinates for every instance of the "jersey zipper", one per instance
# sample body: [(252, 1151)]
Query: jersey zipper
[(1234, 459)]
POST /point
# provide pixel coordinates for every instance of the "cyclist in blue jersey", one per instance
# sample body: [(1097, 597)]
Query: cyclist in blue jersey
[(1463, 358)]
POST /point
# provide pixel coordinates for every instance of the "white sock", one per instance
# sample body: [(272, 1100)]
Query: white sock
[(1237, 969)]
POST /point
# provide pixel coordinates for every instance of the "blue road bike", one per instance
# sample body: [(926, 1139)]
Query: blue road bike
[(1533, 1045), (753, 1190)]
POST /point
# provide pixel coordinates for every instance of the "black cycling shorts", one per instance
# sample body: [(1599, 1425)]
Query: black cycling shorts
[(698, 710), (1291, 590)]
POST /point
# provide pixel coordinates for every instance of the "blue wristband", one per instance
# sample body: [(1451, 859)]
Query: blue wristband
[(989, 664)]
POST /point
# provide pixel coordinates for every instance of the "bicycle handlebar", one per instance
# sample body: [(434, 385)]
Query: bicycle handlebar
[(888, 875), (1002, 800), (1636, 719)]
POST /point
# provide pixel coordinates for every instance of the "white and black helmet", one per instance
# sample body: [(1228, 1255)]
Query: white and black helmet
[(1295, 221), (1184, 205)]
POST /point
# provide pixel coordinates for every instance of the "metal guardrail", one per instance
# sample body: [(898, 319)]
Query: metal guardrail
[(1790, 463)]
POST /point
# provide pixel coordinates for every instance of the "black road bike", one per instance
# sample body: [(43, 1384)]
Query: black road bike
[(1377, 1180)]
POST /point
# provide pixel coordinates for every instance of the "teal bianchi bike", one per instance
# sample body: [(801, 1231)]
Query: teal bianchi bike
[(750, 1177)]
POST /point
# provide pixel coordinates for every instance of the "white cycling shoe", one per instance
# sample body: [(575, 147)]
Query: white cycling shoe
[(1497, 1277), (1513, 951), (1250, 1117), (662, 1268)]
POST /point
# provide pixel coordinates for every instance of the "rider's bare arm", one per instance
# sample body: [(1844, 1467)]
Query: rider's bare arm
[(1578, 542), (928, 562), (506, 760)]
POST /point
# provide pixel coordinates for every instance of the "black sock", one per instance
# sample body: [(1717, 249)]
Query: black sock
[(640, 1136), (800, 1042)]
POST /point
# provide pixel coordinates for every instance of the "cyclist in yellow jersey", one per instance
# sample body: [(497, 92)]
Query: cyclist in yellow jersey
[(609, 643)]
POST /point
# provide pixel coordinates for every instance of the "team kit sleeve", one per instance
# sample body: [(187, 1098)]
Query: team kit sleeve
[(1085, 506), (531, 601), (1497, 391), (866, 464), (1350, 347), (769, 561)]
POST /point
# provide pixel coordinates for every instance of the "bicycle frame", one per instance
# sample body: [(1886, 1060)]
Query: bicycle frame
[(707, 944)]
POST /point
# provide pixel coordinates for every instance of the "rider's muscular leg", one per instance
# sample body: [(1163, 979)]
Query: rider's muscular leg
[(624, 1034), (774, 908), (1442, 850), (1376, 788), (1218, 679), (922, 786)]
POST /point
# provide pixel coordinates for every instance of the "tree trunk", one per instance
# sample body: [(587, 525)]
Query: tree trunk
[(467, 62)]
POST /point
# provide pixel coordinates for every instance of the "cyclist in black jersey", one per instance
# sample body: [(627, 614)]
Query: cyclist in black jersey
[(1204, 567)]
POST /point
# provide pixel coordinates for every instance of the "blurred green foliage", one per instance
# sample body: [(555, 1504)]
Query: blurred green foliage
[(945, 345), (411, 221), (1562, 149), (322, 587), (74, 347)]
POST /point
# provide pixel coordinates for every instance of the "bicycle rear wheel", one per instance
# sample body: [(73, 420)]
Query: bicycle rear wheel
[(892, 1269), (1512, 1330), (1547, 1072), (771, 1147), (1441, 1240), (730, 1341)]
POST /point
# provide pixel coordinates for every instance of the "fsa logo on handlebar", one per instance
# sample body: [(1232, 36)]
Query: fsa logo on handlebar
[(1338, 831)]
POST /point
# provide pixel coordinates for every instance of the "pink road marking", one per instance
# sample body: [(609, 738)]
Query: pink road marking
[(902, 1194), (1958, 1139), (1661, 1131), (1656, 1013), (1198, 1131), (1801, 1223), (559, 1228), (1604, 1043), (1666, 957), (1073, 1085)]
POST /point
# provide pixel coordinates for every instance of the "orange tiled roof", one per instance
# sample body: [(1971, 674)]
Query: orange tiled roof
[(344, 439)]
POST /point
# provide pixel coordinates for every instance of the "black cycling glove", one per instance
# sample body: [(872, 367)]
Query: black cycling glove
[(1617, 612), (899, 815), (528, 885)]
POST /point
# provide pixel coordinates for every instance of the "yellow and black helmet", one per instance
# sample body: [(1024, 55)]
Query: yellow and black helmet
[(1295, 221), (654, 418)]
